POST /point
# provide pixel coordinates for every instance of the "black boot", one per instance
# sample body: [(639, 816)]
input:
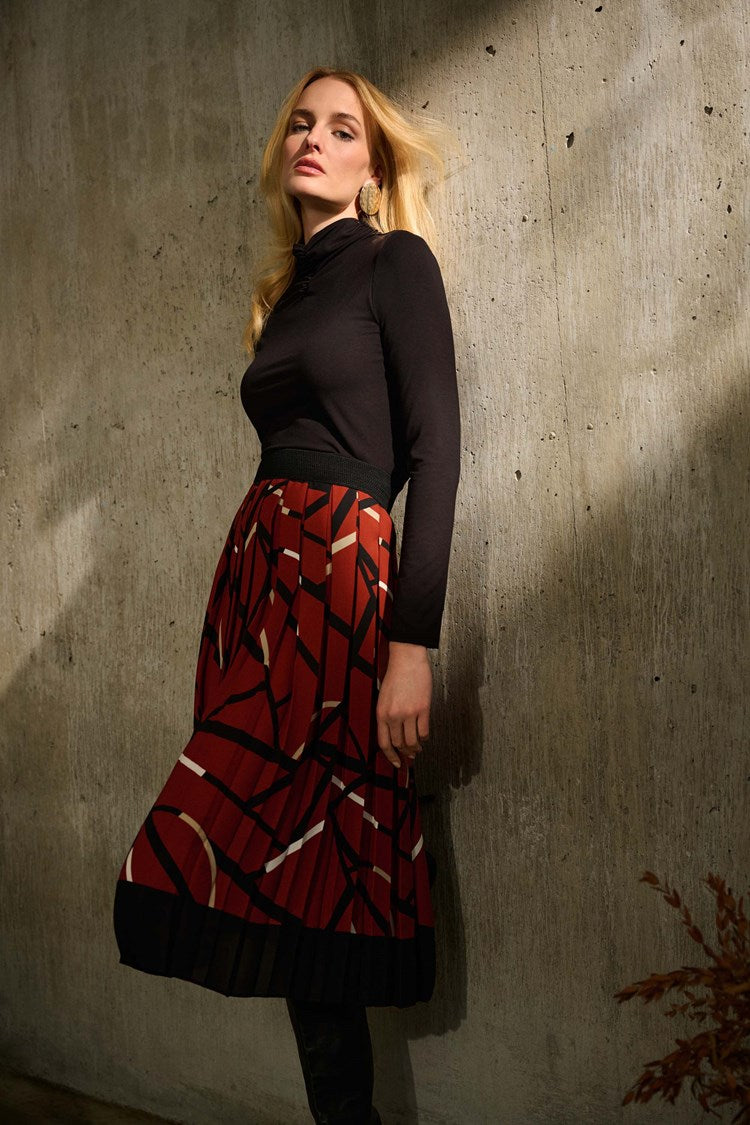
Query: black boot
[(335, 1050)]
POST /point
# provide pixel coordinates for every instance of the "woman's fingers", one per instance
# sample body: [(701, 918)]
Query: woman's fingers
[(393, 740), (412, 744), (385, 744), (403, 706), (398, 741)]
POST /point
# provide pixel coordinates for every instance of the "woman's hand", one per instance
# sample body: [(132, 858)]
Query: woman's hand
[(403, 707)]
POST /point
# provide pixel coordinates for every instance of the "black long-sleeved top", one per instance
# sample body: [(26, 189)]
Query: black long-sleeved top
[(357, 357)]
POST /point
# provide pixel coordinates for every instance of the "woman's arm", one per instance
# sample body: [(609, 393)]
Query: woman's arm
[(409, 301), (408, 298)]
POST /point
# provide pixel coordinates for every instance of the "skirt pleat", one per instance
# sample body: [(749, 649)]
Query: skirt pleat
[(284, 854)]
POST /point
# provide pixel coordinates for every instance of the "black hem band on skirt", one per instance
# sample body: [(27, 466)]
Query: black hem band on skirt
[(172, 936), (320, 466)]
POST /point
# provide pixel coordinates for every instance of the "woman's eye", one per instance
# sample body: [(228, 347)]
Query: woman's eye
[(297, 125)]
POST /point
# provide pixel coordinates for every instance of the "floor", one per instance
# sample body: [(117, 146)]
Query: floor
[(30, 1101)]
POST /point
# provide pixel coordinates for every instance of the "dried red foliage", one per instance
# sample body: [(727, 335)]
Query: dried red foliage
[(724, 1047)]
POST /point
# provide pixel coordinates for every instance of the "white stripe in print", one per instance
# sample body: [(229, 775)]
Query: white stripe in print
[(295, 846), (346, 541), (191, 765)]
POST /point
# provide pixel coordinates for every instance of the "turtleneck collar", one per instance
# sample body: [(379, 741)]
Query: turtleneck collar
[(328, 241)]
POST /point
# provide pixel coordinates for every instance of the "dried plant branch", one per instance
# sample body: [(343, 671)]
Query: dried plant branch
[(716, 1060)]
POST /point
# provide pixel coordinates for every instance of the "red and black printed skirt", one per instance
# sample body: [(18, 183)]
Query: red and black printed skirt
[(284, 855)]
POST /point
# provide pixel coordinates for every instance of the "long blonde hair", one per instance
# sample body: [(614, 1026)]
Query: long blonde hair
[(401, 147)]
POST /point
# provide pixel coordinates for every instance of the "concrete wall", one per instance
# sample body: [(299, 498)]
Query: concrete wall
[(590, 714)]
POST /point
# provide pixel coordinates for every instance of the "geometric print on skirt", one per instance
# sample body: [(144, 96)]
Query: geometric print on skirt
[(284, 855)]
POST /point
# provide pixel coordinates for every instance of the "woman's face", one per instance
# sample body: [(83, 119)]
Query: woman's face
[(327, 127)]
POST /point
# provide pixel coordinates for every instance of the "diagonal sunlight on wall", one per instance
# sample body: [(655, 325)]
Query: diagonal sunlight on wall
[(60, 556)]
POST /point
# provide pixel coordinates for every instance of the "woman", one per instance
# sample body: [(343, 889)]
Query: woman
[(284, 855)]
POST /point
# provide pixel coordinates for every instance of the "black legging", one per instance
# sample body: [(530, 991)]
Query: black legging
[(335, 1050)]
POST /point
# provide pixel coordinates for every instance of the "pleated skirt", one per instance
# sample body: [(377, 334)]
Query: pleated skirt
[(284, 854)]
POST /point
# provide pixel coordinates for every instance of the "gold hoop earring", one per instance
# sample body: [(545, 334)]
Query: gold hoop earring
[(369, 198)]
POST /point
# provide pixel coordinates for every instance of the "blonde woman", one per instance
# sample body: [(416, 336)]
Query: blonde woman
[(284, 855)]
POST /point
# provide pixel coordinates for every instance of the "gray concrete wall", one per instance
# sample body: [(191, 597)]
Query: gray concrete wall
[(590, 714)]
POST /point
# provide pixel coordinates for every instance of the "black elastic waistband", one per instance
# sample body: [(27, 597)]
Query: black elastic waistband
[(317, 466)]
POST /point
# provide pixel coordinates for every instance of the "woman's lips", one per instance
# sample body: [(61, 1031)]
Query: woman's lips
[(308, 168)]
